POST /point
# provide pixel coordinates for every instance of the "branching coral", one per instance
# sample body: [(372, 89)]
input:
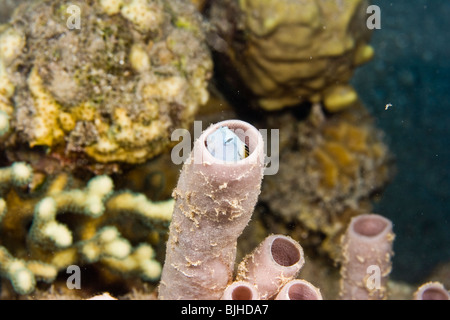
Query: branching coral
[(292, 51), (44, 231), (110, 90)]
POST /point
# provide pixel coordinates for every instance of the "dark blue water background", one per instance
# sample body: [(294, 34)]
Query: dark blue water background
[(411, 71)]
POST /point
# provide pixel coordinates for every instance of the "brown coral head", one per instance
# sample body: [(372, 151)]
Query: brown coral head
[(370, 226)]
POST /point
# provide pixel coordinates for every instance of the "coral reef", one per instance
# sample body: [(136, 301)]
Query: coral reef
[(110, 90), (240, 290), (331, 166), (58, 223), (215, 198), (288, 52)]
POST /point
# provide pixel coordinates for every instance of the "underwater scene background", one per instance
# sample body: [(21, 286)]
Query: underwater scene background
[(87, 111)]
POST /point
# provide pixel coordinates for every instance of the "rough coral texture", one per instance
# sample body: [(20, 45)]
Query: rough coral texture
[(112, 89), (49, 224), (330, 169), (291, 51)]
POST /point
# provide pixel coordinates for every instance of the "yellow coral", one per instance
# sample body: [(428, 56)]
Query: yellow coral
[(139, 59), (6, 86), (141, 261)]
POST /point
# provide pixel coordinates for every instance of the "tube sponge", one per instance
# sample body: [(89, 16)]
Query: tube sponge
[(214, 202), (366, 258)]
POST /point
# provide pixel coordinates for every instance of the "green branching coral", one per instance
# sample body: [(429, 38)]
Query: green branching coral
[(44, 231), (111, 90)]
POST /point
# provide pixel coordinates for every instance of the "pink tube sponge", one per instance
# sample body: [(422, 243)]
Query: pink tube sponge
[(276, 261), (214, 202), (366, 258), (299, 290)]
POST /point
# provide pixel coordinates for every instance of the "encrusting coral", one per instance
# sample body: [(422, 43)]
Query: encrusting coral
[(53, 226), (111, 89), (286, 52)]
